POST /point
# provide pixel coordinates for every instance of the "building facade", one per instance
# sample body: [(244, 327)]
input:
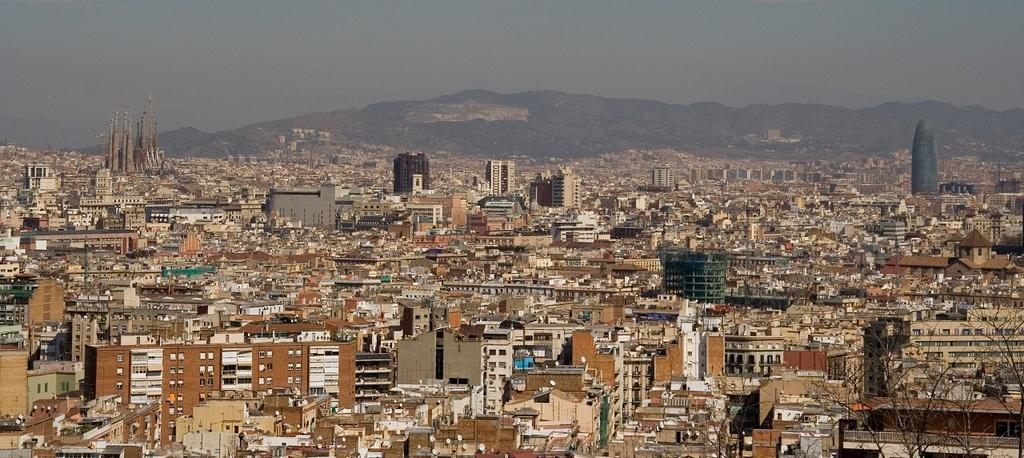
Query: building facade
[(179, 376), (560, 189), (663, 177), (501, 177), (695, 275), (924, 165), (315, 207)]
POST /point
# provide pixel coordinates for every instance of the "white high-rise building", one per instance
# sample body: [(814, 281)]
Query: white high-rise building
[(501, 177), (663, 177), (565, 189)]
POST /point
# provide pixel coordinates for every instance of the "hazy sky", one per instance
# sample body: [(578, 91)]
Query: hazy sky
[(220, 64)]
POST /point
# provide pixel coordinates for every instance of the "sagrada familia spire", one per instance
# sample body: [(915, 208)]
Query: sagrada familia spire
[(140, 154)]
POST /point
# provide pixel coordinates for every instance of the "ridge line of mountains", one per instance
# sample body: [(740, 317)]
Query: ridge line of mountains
[(557, 124)]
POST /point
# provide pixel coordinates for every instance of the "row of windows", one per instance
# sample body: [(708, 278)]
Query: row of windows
[(749, 370), (210, 356), (968, 332), (971, 343), (975, 354), (270, 380), (210, 369), (741, 346), (738, 359), (45, 387)]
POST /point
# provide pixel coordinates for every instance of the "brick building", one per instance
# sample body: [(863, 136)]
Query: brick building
[(179, 376)]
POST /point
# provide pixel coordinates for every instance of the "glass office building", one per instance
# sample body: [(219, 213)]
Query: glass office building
[(696, 275), (924, 165)]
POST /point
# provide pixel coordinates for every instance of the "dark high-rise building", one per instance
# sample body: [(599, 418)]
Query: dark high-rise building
[(540, 191), (561, 189), (412, 171), (924, 165), (696, 275)]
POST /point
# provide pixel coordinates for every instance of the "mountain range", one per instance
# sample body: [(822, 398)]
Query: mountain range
[(558, 124)]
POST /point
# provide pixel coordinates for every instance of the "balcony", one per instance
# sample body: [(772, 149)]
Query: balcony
[(373, 370)]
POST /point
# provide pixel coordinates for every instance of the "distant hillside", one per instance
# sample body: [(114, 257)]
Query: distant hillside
[(546, 123)]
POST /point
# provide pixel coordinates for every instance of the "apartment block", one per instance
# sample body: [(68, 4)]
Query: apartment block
[(179, 376)]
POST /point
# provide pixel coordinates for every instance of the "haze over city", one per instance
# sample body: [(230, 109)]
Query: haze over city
[(223, 65)]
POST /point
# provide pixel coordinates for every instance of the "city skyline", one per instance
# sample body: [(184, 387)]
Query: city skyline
[(615, 269), (270, 302)]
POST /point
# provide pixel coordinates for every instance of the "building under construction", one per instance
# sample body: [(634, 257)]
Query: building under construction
[(134, 154)]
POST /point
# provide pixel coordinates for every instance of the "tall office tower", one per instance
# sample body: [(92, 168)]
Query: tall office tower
[(407, 165), (561, 189), (565, 189), (663, 177), (501, 177), (924, 166)]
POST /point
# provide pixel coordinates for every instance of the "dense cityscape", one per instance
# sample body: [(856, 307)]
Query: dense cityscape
[(511, 229), (384, 303)]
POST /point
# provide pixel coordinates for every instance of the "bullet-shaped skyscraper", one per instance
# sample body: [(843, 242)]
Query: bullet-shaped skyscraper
[(924, 166)]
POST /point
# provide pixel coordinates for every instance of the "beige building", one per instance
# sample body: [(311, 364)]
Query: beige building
[(969, 341), (565, 189), (556, 408), (14, 379), (638, 376), (753, 355), (443, 355), (52, 379), (212, 444), (224, 416), (663, 176)]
